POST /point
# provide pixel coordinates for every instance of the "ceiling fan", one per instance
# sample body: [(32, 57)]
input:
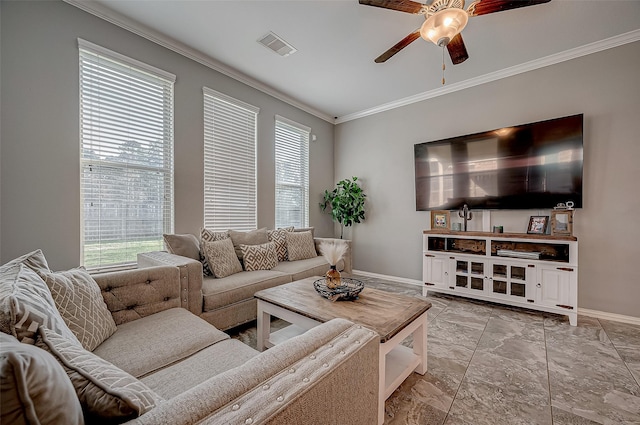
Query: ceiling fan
[(444, 20)]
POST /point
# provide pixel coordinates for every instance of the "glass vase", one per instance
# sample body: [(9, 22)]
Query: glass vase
[(332, 278)]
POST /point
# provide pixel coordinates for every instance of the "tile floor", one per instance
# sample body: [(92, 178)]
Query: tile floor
[(496, 365)]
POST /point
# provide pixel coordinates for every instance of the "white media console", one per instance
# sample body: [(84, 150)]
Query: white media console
[(533, 271)]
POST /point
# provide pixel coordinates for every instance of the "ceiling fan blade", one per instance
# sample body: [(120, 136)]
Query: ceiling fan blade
[(457, 50), (399, 46), (407, 6), (485, 7)]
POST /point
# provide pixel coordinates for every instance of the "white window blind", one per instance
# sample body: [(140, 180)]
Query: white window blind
[(229, 162), (292, 173), (126, 132)]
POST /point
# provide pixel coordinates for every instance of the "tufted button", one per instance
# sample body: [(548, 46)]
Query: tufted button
[(342, 352), (167, 298), (312, 357), (235, 407), (330, 345), (345, 336), (325, 365), (292, 370), (265, 387), (248, 421), (305, 380), (148, 282), (280, 398), (131, 307), (185, 300), (357, 341), (108, 289), (358, 327)]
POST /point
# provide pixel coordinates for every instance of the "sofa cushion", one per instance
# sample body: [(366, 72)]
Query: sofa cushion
[(79, 300), (26, 304), (222, 258), (104, 390), (253, 237), (185, 245), (208, 235), (211, 361), (279, 237), (300, 246), (238, 287), (316, 266), (259, 257), (34, 388), (305, 229), (153, 342)]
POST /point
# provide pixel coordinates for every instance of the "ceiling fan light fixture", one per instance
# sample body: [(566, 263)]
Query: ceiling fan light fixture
[(443, 25)]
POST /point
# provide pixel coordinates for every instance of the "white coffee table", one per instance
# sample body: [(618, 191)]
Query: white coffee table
[(393, 316)]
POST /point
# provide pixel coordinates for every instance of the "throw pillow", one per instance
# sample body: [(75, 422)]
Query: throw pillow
[(34, 260), (26, 304), (222, 258), (79, 301), (207, 235), (300, 246), (35, 388), (254, 237), (279, 238), (305, 229), (259, 257), (185, 245), (105, 391)]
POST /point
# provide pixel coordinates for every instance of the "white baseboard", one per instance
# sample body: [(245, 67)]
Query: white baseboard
[(584, 311)]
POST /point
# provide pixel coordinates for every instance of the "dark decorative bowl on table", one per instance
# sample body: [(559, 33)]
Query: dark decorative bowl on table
[(348, 290)]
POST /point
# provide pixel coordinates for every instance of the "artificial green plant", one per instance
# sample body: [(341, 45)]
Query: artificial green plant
[(345, 203)]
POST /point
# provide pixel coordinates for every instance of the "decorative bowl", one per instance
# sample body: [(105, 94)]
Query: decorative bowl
[(348, 290)]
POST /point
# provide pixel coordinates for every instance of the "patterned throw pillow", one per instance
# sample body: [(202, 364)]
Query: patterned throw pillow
[(222, 258), (279, 237), (105, 391), (79, 301), (207, 235), (259, 257), (26, 304), (300, 246)]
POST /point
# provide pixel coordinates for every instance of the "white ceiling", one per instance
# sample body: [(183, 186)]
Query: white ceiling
[(332, 74)]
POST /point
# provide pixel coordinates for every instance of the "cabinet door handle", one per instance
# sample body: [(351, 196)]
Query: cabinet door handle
[(429, 284), (429, 255), (452, 287), (452, 258), (566, 269), (539, 286)]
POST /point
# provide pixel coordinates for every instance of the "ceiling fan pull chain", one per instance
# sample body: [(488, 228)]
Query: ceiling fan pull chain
[(443, 65)]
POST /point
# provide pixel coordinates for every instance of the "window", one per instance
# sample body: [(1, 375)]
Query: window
[(126, 135), (229, 163), (292, 173)]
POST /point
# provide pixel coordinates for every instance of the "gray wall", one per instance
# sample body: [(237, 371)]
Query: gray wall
[(603, 86), (39, 180)]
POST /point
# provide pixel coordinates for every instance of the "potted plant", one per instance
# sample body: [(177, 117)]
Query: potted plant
[(346, 203)]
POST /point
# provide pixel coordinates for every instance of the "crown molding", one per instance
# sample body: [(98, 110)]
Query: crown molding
[(154, 36), (587, 49)]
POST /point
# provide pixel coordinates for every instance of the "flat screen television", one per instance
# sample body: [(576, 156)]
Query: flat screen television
[(528, 166)]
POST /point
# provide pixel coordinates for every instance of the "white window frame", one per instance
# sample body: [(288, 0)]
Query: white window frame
[(230, 165), (126, 157), (291, 156)]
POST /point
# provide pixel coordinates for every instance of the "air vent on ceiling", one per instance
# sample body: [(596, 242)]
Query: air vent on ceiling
[(277, 44)]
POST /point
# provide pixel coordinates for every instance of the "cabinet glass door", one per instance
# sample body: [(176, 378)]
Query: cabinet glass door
[(470, 275), (509, 280)]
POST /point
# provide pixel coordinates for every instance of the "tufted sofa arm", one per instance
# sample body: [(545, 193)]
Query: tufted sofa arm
[(328, 375), (133, 294), (348, 261), (190, 276)]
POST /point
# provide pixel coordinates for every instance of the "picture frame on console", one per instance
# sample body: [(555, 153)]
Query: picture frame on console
[(538, 224), (562, 222), (440, 220)]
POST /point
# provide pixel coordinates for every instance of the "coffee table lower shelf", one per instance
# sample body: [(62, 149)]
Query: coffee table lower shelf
[(396, 360)]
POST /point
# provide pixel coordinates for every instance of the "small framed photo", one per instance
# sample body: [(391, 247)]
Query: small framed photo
[(562, 222), (440, 220), (538, 224)]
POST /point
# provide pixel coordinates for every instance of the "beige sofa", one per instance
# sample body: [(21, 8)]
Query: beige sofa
[(228, 302), (198, 375)]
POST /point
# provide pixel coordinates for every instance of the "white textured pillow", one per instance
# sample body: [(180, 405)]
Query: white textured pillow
[(26, 304), (259, 257), (222, 258), (79, 301), (105, 391), (300, 246)]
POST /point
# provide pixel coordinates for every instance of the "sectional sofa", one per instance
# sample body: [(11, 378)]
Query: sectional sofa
[(136, 356), (228, 301)]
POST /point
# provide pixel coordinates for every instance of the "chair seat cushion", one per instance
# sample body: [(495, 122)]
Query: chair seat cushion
[(145, 345)]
